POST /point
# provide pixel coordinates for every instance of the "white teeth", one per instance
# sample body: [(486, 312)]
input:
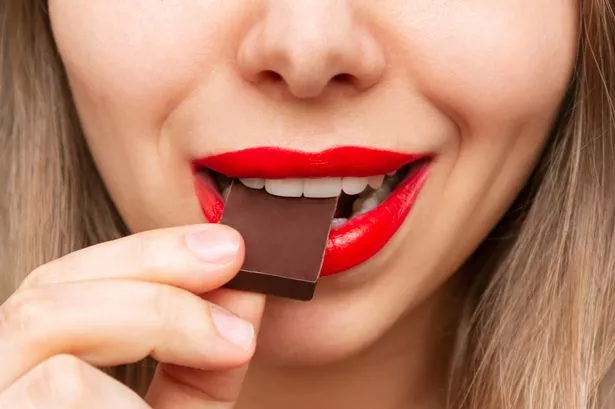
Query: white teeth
[(315, 187), (369, 204), (391, 173), (253, 183), (382, 193), (364, 205), (353, 186), (284, 187), (371, 199), (375, 182), (322, 187), (338, 222)]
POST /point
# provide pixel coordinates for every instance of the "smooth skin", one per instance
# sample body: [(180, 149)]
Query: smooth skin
[(477, 83), (119, 302)]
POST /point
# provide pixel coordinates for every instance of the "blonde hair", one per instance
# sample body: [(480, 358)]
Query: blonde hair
[(538, 329)]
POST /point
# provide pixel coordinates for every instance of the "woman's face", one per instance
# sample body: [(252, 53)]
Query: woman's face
[(474, 86)]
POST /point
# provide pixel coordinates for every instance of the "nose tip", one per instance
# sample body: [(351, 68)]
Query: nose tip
[(309, 49)]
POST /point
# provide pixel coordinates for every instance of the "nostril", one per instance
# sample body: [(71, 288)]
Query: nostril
[(273, 77), (270, 76), (344, 78), (303, 49)]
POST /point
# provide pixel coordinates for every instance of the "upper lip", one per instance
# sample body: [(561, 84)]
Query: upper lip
[(274, 162)]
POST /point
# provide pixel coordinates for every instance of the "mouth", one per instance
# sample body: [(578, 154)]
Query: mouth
[(376, 189)]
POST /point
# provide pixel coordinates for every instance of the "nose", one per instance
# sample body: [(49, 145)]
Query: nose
[(309, 47)]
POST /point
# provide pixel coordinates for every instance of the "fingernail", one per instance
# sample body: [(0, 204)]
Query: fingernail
[(233, 328), (214, 245)]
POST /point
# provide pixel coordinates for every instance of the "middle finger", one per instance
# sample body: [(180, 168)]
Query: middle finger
[(116, 322)]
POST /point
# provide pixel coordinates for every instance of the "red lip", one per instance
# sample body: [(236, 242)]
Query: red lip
[(275, 163), (364, 235)]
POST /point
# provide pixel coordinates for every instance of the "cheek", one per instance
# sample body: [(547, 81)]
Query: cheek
[(486, 62), (137, 55), (499, 69)]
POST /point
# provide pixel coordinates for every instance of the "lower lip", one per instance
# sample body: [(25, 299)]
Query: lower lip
[(353, 243), (365, 235)]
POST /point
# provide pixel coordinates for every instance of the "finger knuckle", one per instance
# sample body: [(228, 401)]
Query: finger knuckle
[(53, 272), (36, 277), (150, 252), (163, 302), (175, 311), (60, 381), (25, 312)]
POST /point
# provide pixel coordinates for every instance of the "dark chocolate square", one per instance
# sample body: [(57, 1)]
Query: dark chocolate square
[(285, 240)]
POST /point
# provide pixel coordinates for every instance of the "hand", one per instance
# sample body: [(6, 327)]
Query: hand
[(118, 302)]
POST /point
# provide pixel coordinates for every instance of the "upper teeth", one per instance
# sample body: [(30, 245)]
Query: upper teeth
[(315, 187)]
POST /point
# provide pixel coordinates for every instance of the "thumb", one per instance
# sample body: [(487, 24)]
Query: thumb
[(187, 388)]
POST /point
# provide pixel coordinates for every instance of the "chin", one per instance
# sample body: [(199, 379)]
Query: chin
[(332, 327)]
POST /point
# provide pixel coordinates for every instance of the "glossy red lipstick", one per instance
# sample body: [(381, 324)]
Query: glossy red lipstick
[(363, 236), (276, 163)]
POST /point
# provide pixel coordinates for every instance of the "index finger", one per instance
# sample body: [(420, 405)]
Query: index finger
[(197, 258)]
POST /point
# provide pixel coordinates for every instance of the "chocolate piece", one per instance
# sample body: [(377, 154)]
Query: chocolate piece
[(285, 240)]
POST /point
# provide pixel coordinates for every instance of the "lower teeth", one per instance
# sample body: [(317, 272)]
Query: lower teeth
[(371, 200), (338, 222), (366, 202)]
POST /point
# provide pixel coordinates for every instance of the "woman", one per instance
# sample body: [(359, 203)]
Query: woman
[(491, 287)]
